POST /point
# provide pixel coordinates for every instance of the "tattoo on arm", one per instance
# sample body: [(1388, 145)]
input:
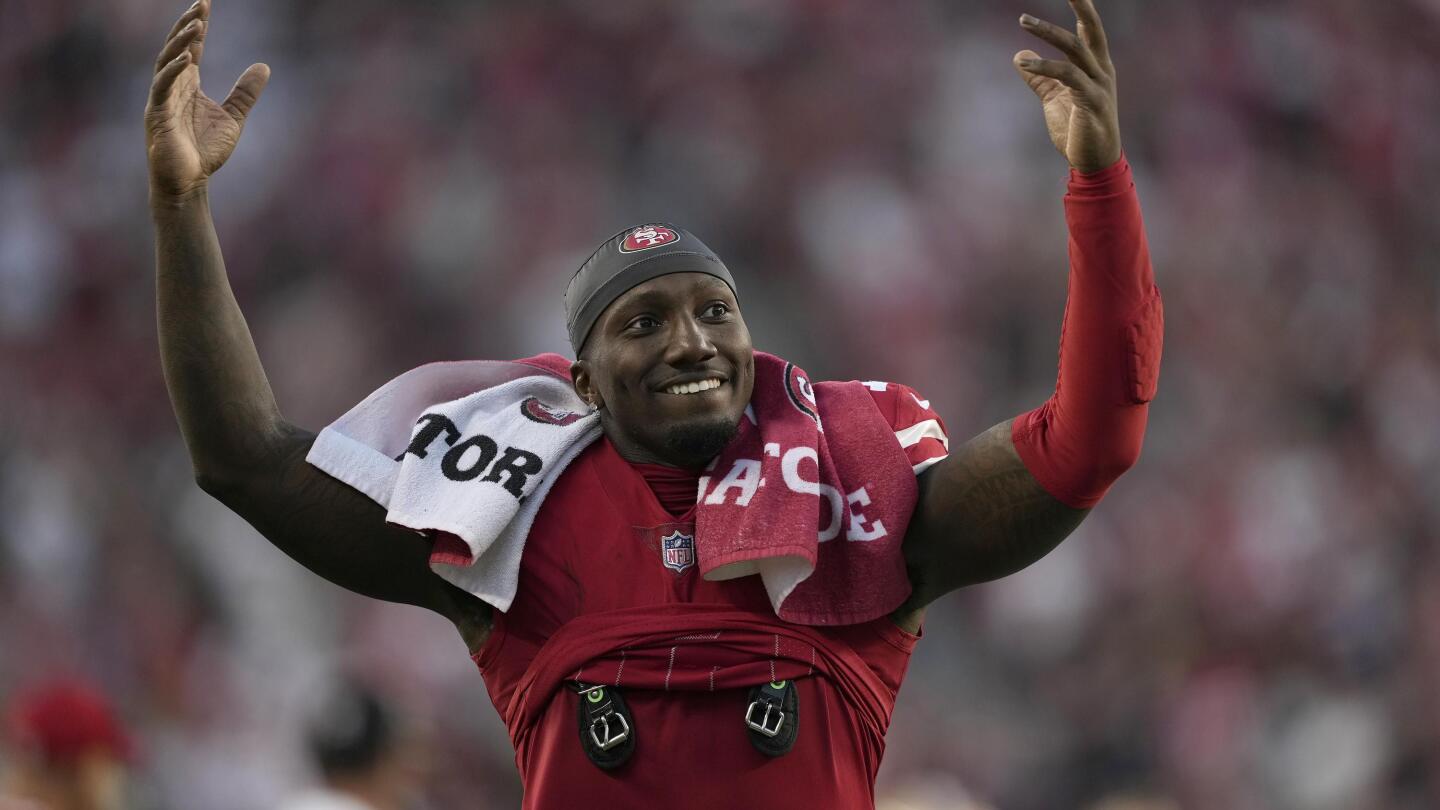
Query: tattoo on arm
[(981, 515)]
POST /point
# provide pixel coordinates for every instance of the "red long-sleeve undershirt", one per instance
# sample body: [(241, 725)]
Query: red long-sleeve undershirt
[(1090, 430)]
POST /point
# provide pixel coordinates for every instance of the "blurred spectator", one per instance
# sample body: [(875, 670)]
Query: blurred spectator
[(65, 750), (1134, 801), (931, 791), (360, 754)]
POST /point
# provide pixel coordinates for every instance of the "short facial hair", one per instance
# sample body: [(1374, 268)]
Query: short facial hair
[(693, 444)]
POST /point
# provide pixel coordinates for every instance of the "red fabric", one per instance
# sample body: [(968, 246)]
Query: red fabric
[(64, 721), (673, 487), (1090, 431), (691, 648), (917, 426), (594, 587), (549, 362), (821, 481)]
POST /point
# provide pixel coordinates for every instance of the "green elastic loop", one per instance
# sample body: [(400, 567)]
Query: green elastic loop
[(595, 695), (777, 684)]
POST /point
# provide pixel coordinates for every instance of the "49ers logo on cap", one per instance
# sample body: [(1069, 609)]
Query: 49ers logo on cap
[(650, 236)]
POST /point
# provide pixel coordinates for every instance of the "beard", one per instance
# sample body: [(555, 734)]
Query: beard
[(693, 444)]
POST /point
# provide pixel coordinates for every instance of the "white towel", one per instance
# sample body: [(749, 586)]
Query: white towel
[(495, 435)]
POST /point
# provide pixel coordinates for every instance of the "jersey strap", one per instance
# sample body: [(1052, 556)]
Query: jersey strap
[(772, 717), (607, 728), (692, 647)]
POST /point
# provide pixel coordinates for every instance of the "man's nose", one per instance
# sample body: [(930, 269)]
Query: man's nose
[(689, 344)]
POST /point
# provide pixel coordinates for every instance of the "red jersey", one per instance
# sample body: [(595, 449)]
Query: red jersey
[(596, 547)]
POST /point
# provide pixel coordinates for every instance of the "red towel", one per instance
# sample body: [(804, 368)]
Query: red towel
[(814, 494)]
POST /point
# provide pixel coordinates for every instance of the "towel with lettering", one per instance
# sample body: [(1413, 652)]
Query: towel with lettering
[(813, 494)]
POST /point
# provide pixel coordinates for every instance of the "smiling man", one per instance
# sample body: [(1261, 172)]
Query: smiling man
[(653, 317), (688, 574)]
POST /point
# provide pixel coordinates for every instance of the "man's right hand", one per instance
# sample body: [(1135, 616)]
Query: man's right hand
[(187, 135), (242, 450)]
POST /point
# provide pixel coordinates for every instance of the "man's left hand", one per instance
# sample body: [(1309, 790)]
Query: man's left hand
[(1078, 93)]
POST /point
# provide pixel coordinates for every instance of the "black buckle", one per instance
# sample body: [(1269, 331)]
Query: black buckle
[(606, 731), (775, 730)]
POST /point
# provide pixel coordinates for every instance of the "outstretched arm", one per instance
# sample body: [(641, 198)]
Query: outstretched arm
[(1007, 497), (242, 451)]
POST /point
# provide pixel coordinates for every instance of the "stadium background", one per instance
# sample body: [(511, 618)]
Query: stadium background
[(1252, 618)]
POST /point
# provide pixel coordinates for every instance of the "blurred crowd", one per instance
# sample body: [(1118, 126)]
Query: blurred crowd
[(1250, 621)]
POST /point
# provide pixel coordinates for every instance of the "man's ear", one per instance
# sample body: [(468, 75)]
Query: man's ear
[(585, 384)]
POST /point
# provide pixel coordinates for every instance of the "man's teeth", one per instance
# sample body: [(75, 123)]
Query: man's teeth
[(693, 388)]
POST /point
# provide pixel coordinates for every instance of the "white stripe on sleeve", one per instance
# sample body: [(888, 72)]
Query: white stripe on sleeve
[(928, 463), (929, 429)]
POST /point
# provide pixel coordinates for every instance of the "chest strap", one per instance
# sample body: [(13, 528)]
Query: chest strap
[(607, 729), (772, 717)]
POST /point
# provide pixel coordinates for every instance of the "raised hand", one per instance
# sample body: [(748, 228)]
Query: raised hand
[(1077, 93), (187, 135)]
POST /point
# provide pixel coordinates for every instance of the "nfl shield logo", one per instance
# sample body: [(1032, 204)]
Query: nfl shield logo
[(678, 551)]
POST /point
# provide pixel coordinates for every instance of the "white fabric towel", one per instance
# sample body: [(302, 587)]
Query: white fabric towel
[(465, 448)]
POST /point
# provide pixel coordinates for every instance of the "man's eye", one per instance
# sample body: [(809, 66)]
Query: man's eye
[(644, 322), (716, 310)]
